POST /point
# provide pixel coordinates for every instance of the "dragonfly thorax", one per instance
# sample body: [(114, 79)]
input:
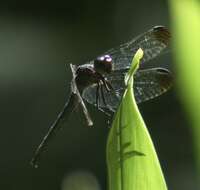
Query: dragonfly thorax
[(103, 64), (86, 75)]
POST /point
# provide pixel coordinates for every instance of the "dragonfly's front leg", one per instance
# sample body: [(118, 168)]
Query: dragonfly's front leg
[(102, 95), (112, 90), (99, 90), (107, 85), (97, 95), (108, 89)]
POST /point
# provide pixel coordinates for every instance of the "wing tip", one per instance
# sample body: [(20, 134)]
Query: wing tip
[(162, 34), (165, 78)]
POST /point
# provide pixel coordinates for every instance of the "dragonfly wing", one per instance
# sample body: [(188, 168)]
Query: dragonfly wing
[(152, 42), (148, 84), (111, 100)]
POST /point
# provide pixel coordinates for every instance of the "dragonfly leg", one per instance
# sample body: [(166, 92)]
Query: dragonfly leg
[(108, 112), (103, 96), (107, 85), (97, 95), (112, 90), (109, 108)]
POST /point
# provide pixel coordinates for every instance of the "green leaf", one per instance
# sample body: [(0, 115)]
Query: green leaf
[(134, 66), (185, 16), (131, 158)]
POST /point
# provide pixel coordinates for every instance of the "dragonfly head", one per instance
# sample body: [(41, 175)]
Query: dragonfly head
[(103, 64)]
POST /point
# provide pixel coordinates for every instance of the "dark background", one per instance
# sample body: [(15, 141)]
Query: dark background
[(37, 43)]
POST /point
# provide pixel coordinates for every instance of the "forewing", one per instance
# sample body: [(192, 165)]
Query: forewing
[(152, 42)]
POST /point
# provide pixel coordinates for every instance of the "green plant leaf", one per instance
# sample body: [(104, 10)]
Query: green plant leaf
[(131, 158), (185, 16)]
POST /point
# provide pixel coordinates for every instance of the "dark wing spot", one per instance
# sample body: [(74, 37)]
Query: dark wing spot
[(164, 77), (162, 34)]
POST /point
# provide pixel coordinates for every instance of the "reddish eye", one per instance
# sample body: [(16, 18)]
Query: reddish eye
[(103, 64)]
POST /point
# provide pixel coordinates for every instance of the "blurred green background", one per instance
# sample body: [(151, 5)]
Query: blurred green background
[(37, 43)]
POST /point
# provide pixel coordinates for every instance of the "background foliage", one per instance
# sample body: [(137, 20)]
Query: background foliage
[(186, 28)]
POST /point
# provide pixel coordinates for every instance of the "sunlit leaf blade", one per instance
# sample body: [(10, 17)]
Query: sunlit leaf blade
[(185, 16), (134, 66), (131, 158)]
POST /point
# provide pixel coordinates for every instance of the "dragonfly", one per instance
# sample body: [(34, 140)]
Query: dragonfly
[(100, 82)]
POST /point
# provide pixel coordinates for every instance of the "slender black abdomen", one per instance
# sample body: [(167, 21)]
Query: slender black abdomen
[(68, 108)]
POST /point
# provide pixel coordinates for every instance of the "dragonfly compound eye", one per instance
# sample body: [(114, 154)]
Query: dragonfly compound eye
[(103, 64)]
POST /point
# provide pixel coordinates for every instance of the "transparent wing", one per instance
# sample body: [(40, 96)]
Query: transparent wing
[(148, 84), (152, 42), (151, 83), (116, 79)]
